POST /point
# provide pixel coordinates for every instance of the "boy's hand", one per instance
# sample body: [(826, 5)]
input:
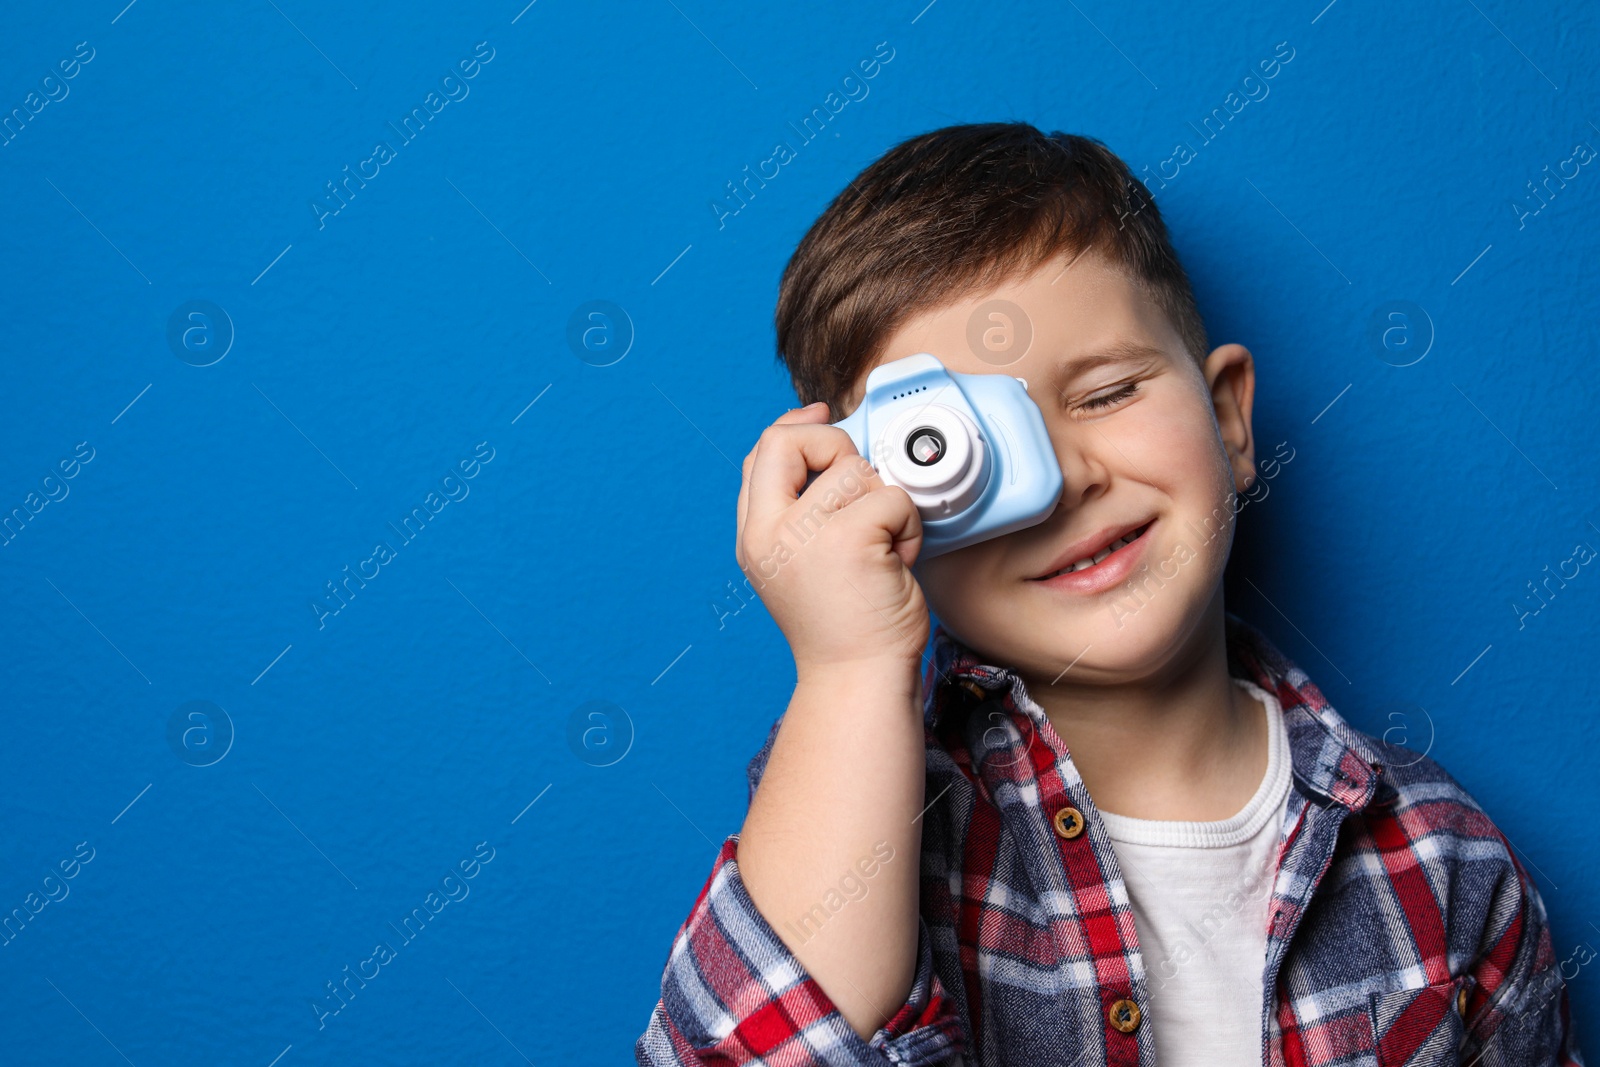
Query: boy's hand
[(832, 560)]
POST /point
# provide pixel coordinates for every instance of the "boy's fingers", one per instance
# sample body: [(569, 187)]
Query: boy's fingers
[(810, 413), (890, 508), (817, 412), (850, 479), (786, 454)]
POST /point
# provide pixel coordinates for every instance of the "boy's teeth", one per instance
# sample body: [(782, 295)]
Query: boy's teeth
[(1090, 561)]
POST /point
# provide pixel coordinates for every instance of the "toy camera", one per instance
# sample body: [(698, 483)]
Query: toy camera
[(971, 450)]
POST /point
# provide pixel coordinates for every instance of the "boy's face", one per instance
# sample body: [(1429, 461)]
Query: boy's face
[(1147, 440)]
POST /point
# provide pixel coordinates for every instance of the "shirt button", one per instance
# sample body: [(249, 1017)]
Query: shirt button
[(1069, 824), (1461, 1002), (1124, 1016), (976, 691)]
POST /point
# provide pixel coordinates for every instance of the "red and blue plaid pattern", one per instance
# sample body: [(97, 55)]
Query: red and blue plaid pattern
[(1402, 929)]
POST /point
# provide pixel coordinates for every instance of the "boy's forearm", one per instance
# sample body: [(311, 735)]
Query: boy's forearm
[(830, 848)]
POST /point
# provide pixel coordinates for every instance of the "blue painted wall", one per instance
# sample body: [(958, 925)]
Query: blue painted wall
[(250, 793)]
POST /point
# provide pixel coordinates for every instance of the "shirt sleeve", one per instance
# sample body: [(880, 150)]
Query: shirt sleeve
[(734, 993), (1517, 1013)]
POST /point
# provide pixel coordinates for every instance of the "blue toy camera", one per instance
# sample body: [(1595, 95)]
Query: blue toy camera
[(971, 450)]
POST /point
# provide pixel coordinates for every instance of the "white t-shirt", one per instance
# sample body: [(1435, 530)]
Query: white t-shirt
[(1200, 892)]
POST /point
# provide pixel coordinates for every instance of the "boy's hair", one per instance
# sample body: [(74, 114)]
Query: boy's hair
[(954, 211)]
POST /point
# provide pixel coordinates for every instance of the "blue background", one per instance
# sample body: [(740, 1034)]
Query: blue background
[(372, 354)]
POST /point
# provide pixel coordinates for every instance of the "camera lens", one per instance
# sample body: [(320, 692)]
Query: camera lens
[(937, 454), (925, 446)]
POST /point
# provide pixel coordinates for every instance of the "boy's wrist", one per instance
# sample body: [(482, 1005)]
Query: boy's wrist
[(886, 676)]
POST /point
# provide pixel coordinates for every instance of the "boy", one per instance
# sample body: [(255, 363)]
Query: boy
[(1108, 823)]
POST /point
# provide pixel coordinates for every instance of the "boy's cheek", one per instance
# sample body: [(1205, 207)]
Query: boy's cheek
[(955, 592), (1187, 449), (954, 578)]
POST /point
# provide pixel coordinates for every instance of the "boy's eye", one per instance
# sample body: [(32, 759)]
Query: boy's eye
[(1106, 399)]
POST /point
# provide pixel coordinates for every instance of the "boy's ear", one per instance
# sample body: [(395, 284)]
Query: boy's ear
[(1230, 374)]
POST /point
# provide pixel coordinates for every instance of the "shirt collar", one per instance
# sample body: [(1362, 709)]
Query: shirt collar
[(1332, 760)]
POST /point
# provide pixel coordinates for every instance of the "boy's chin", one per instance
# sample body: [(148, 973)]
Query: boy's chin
[(1138, 650), (1098, 647)]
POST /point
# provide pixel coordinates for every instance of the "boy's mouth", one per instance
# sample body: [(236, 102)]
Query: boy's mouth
[(1097, 552)]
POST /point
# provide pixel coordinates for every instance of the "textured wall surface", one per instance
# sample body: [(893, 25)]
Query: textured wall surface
[(227, 385)]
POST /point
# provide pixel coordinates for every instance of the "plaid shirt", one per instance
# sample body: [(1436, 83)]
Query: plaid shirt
[(1401, 928)]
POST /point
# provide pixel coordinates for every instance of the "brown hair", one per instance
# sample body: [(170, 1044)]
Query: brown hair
[(953, 211)]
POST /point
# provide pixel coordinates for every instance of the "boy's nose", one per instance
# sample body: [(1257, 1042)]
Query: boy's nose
[(1083, 475)]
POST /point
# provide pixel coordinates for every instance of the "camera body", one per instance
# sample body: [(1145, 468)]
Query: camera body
[(971, 450)]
